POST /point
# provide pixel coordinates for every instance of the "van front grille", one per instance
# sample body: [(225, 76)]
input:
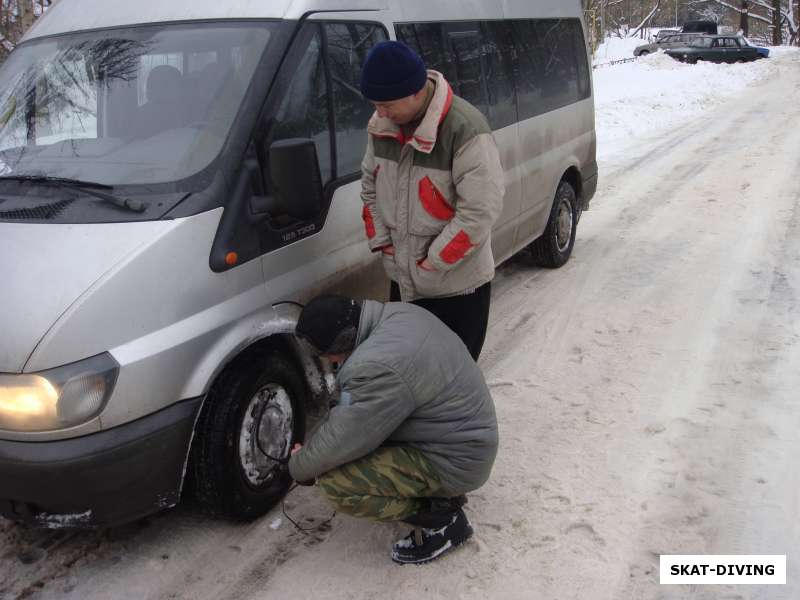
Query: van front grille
[(44, 212)]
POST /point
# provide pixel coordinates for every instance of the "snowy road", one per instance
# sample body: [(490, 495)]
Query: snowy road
[(647, 395)]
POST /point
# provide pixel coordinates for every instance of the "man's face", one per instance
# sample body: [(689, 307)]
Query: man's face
[(336, 358), (401, 111)]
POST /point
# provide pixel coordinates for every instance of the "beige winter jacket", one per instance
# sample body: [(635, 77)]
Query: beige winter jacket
[(434, 195)]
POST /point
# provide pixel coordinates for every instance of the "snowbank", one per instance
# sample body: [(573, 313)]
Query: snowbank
[(782, 50), (615, 48), (657, 92)]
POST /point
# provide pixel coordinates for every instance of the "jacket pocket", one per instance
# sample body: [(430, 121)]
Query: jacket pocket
[(390, 266), (429, 283), (431, 211)]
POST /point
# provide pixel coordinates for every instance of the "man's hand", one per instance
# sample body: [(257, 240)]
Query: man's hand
[(426, 265), (295, 449), (389, 250)]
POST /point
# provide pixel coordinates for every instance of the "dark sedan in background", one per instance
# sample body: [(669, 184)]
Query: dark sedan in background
[(674, 40), (718, 49)]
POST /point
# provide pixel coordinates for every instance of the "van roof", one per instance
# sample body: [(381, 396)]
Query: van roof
[(76, 15), (65, 16)]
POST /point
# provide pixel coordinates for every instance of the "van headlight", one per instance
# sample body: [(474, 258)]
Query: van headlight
[(57, 398)]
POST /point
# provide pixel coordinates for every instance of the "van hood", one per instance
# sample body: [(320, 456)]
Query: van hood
[(44, 268)]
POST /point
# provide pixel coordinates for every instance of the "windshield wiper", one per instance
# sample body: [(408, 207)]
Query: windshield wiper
[(90, 188)]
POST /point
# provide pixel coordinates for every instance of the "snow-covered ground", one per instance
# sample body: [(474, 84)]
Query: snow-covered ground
[(616, 48), (655, 93), (646, 392)]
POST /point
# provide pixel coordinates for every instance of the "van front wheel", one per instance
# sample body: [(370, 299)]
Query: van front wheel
[(554, 247), (249, 422)]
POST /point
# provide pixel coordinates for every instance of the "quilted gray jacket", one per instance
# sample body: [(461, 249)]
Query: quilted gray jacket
[(410, 381)]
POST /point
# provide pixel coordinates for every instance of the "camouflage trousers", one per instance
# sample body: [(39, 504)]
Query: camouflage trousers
[(389, 484)]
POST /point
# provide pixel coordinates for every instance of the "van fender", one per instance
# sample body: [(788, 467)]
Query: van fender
[(271, 327), (570, 172)]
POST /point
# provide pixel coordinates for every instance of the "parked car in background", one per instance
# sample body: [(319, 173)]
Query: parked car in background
[(662, 33), (709, 27), (668, 41), (715, 48), (763, 52)]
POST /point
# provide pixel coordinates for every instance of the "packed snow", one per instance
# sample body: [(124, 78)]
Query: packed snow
[(655, 93), (616, 48)]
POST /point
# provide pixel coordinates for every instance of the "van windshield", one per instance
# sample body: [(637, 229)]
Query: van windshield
[(140, 105)]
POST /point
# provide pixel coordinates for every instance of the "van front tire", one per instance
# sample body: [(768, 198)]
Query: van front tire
[(554, 247), (252, 416)]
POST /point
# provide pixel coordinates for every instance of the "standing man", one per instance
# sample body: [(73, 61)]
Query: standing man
[(414, 428), (432, 187)]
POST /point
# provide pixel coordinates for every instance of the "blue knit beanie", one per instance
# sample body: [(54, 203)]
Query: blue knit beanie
[(392, 71)]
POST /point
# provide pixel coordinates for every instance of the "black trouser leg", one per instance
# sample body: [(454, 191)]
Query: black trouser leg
[(394, 292), (467, 316)]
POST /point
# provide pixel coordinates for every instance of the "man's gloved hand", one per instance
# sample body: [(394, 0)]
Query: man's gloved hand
[(295, 449)]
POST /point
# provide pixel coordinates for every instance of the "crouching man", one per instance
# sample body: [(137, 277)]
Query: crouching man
[(414, 429)]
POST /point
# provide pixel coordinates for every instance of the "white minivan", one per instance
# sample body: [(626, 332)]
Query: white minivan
[(177, 178)]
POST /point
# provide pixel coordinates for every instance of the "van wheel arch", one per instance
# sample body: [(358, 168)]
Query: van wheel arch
[(573, 177)]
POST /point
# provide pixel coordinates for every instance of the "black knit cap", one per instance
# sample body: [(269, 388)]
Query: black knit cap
[(330, 324), (392, 71)]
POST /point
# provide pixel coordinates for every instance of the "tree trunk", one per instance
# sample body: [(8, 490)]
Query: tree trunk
[(646, 20), (797, 21), (777, 33), (641, 12), (744, 22), (26, 14)]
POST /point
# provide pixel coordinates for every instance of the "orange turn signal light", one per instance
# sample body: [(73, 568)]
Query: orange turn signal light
[(231, 258)]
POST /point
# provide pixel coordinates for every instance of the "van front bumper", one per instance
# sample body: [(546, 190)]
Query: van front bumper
[(99, 480)]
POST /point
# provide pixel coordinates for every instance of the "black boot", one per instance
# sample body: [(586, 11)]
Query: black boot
[(435, 534)]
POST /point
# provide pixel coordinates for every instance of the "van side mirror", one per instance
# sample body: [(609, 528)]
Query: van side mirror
[(296, 180)]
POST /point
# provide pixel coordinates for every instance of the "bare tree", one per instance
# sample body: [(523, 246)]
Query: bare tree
[(646, 19), (16, 17), (777, 15), (744, 20), (776, 23)]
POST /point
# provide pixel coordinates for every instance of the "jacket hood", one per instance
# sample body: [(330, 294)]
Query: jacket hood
[(371, 314), (46, 268)]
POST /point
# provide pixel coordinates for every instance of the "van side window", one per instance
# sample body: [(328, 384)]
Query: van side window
[(470, 82), (347, 48), (510, 70), (428, 40), (499, 51), (552, 65), (581, 54), (476, 58), (303, 112)]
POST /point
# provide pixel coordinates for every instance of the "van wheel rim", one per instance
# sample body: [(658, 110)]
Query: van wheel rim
[(266, 433), (564, 224)]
